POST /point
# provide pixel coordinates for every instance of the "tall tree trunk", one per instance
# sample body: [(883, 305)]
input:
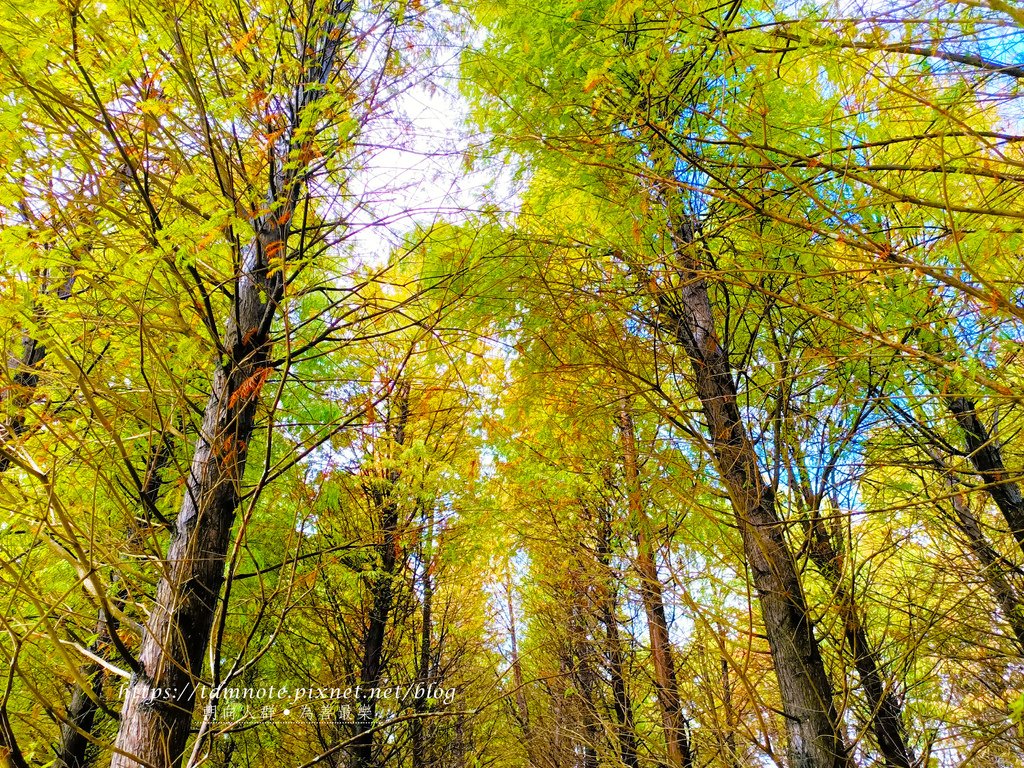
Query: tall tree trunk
[(72, 749), (521, 710), (11, 755), (732, 752), (987, 458), (625, 729), (419, 745), (157, 711), (811, 719), (154, 725), (886, 720), (381, 491), (676, 727), (579, 660), (592, 722), (993, 567)]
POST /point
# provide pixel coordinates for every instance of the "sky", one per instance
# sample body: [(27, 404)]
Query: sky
[(418, 174)]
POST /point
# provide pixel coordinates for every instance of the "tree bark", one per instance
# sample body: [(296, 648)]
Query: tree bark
[(987, 458), (72, 749), (811, 719), (886, 721), (625, 729), (157, 711), (680, 754), (578, 658), (993, 568), (382, 589), (11, 755), (729, 741), (592, 722)]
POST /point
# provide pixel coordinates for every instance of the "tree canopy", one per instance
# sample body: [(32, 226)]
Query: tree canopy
[(570, 384)]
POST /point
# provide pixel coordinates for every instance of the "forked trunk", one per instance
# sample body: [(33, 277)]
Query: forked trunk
[(993, 567)]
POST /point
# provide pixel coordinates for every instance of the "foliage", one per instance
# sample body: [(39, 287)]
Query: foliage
[(479, 461)]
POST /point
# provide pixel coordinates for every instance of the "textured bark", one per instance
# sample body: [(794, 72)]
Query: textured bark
[(886, 710), (157, 711), (987, 459), (811, 719), (625, 729), (592, 722), (674, 723), (10, 753), (73, 747), (382, 588), (578, 653), (886, 722)]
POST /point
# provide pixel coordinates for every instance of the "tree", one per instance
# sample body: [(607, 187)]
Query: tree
[(688, 436)]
